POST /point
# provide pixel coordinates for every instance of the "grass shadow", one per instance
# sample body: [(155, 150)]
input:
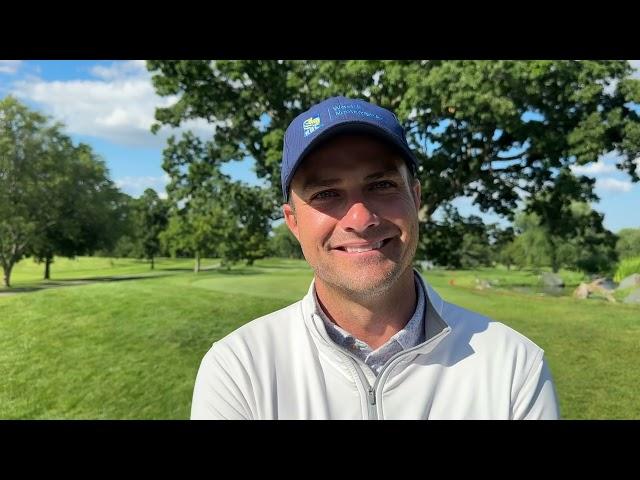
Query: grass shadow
[(109, 278), (189, 269), (240, 271), (75, 282)]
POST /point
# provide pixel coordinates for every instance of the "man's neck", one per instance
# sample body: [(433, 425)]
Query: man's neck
[(375, 319)]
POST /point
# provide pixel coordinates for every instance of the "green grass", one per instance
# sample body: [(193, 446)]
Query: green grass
[(131, 348), (29, 274), (502, 277)]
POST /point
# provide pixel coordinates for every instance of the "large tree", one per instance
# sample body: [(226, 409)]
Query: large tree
[(193, 230), (210, 213), (283, 244), (462, 242), (151, 214), (123, 229), (628, 244), (55, 197), (558, 214), (581, 242), (23, 158), (530, 246), (496, 131), (82, 213)]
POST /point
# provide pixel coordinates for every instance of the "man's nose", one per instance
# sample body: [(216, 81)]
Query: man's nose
[(359, 217)]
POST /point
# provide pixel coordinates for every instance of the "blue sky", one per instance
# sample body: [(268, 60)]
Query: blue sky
[(110, 105)]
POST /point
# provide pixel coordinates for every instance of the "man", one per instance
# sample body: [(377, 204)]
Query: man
[(371, 339)]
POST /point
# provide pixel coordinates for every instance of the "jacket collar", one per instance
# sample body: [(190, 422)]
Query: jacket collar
[(434, 323)]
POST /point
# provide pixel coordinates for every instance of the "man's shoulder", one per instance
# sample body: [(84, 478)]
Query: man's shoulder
[(483, 330), (473, 328)]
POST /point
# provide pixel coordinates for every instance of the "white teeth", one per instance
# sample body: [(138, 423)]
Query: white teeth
[(363, 249)]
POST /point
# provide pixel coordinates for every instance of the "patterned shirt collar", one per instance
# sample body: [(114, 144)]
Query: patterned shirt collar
[(410, 336)]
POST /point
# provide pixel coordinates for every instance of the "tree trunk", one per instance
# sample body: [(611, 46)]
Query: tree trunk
[(152, 263), (47, 268), (6, 278), (554, 256), (196, 267)]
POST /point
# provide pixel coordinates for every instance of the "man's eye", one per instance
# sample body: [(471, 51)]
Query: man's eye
[(324, 194)]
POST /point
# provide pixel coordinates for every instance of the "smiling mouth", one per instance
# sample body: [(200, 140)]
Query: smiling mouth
[(364, 248)]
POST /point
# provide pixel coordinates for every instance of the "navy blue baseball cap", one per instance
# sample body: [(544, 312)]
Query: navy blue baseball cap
[(339, 115)]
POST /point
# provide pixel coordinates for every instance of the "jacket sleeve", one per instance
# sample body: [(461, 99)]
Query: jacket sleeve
[(216, 394), (537, 398)]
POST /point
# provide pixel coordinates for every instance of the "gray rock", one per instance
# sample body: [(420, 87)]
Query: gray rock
[(631, 281), (607, 284), (633, 297), (554, 291), (482, 284), (551, 280), (585, 290), (582, 292)]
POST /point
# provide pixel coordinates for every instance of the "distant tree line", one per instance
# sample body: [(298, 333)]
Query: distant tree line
[(584, 245)]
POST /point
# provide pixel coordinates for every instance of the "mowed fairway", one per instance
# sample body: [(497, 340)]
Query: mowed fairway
[(110, 339)]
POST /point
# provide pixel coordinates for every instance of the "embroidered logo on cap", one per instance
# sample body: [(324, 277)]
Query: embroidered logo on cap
[(310, 125)]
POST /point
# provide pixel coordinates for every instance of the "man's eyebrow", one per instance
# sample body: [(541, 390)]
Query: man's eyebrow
[(314, 183), (390, 172)]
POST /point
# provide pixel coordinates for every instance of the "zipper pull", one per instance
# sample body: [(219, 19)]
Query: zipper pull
[(372, 396)]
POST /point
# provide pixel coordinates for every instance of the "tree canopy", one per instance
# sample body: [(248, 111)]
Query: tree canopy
[(495, 131)]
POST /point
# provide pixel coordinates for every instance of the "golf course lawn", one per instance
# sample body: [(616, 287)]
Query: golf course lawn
[(110, 339)]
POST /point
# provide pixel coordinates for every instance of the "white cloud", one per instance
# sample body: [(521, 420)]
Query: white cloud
[(135, 186), (613, 185), (120, 70), (10, 66), (593, 169), (118, 105)]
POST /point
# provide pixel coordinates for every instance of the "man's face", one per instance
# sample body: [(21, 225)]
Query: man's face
[(355, 213)]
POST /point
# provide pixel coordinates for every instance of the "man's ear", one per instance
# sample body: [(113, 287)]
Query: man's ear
[(416, 190), (290, 218)]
